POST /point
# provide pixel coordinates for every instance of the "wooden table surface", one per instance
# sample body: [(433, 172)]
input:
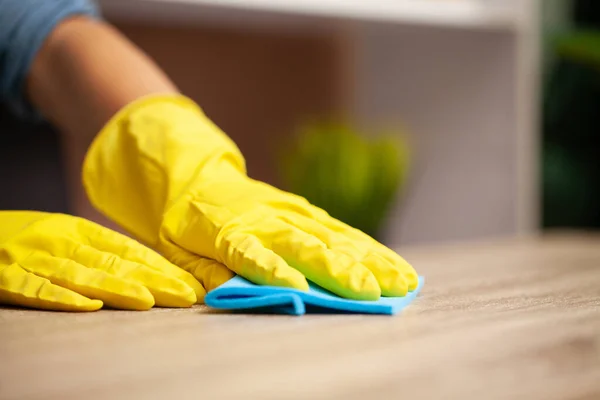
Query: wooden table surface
[(512, 319)]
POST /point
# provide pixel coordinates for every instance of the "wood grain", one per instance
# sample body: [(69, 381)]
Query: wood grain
[(516, 319)]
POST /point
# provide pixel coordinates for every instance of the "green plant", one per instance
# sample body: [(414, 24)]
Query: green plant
[(353, 178), (570, 163), (581, 46)]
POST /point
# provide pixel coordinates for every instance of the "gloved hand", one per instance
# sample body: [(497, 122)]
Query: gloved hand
[(162, 170), (64, 263)]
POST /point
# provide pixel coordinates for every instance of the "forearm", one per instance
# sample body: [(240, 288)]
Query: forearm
[(84, 73)]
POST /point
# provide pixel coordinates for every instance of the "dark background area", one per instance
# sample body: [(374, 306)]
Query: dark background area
[(30, 166), (571, 134)]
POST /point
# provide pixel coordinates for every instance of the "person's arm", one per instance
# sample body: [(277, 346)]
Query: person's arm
[(84, 73), (61, 62)]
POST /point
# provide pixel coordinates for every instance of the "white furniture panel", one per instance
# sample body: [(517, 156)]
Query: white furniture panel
[(461, 74)]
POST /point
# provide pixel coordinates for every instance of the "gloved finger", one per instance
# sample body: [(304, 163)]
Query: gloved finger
[(390, 278), (210, 273), (329, 269), (167, 291), (21, 288), (394, 258), (114, 291), (375, 247), (129, 249), (245, 255)]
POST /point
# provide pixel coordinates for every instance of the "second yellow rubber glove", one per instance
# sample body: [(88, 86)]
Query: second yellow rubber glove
[(166, 173), (64, 263)]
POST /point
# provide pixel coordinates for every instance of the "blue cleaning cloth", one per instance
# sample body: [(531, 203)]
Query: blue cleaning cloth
[(240, 294)]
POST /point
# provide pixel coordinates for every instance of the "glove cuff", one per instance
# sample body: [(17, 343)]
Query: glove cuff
[(147, 155)]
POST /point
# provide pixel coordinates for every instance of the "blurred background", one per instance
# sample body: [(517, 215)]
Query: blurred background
[(417, 121)]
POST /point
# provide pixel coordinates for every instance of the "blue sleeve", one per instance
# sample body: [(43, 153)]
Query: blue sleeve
[(24, 26)]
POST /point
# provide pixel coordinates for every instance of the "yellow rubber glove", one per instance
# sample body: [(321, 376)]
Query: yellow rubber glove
[(162, 170), (64, 263)]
